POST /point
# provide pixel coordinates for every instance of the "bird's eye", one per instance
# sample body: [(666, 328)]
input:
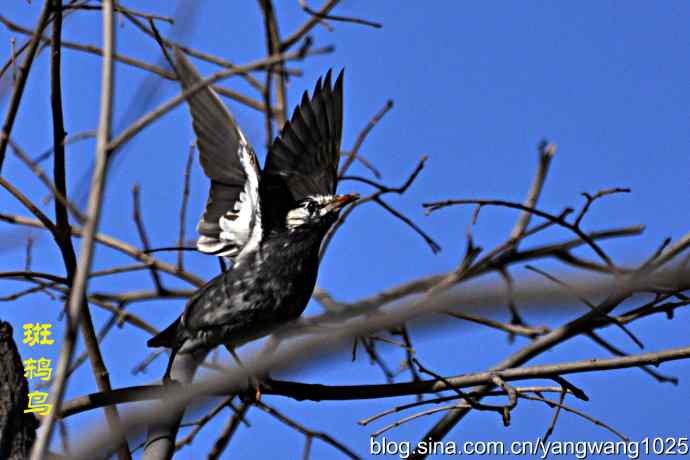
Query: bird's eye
[(311, 207)]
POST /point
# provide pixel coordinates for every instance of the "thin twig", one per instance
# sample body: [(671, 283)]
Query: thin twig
[(23, 199), (556, 413), (615, 351), (199, 425), (29, 248), (382, 191), (316, 14), (394, 410), (325, 437), (308, 25), (595, 421), (183, 206), (366, 163), (435, 248), (57, 189), (546, 153), (510, 328), (273, 46), (229, 430), (550, 217), (592, 198), (20, 81), (122, 9), (363, 135), (589, 304), (138, 221), (83, 135)]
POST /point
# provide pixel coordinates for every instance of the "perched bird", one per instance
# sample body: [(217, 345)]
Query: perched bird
[(270, 223)]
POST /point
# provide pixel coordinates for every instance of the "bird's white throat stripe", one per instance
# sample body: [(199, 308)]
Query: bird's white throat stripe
[(297, 217), (301, 215)]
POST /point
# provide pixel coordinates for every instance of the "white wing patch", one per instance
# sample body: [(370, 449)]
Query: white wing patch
[(231, 223), (241, 225), (211, 245)]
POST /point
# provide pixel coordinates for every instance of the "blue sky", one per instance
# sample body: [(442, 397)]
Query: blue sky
[(476, 86)]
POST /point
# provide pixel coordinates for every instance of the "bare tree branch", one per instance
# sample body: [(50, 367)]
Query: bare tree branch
[(20, 81), (77, 306)]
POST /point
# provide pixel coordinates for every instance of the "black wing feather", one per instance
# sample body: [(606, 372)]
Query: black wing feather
[(303, 160), (218, 138)]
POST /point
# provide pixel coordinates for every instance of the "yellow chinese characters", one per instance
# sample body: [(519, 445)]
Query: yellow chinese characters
[(39, 369), (37, 403), (37, 334)]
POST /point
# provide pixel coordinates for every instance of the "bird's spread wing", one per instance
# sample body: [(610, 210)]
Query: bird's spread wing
[(303, 160), (232, 217)]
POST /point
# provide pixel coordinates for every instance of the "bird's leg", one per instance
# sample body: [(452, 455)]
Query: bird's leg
[(253, 380)]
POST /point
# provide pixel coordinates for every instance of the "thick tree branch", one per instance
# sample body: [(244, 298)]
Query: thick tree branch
[(318, 392)]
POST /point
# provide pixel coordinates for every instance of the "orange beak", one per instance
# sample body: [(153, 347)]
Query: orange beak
[(342, 200)]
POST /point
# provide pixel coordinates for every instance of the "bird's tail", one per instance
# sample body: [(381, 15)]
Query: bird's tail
[(167, 338)]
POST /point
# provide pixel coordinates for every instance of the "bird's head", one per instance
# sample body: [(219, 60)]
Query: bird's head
[(317, 211)]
